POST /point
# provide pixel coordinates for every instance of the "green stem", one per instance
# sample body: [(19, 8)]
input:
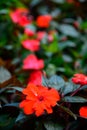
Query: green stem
[(76, 91), (67, 111)]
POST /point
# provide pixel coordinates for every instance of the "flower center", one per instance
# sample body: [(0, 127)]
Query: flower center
[(41, 98)]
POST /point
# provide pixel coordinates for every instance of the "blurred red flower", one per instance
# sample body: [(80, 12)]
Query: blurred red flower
[(35, 77), (83, 111), (75, 2), (43, 21), (32, 62), (31, 44), (19, 16), (76, 24), (50, 38), (70, 1), (79, 79), (29, 32), (51, 35), (38, 99), (41, 35), (23, 21)]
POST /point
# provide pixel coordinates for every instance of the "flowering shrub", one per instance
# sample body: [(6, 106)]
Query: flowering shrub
[(43, 71)]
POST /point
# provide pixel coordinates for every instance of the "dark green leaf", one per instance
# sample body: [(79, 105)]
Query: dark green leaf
[(65, 44), (12, 105), (43, 10), (69, 87), (53, 47), (20, 117), (3, 11), (7, 88), (83, 87), (2, 90), (35, 2), (68, 111), (55, 12), (45, 81), (69, 30), (56, 81), (58, 1), (73, 125), (51, 69), (6, 122), (74, 99), (53, 126), (17, 88), (67, 58)]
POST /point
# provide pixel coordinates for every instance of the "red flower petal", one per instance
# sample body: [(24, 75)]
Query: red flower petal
[(32, 45), (83, 111), (31, 62), (79, 79), (41, 35), (35, 77), (29, 32), (19, 16), (44, 21), (28, 108)]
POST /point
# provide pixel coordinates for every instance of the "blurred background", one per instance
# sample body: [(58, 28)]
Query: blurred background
[(64, 52)]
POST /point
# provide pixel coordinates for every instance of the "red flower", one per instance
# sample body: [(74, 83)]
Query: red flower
[(50, 38), (23, 21), (41, 35), (19, 16), (32, 62), (38, 99), (36, 77), (31, 44), (80, 79), (83, 111), (43, 21), (29, 32)]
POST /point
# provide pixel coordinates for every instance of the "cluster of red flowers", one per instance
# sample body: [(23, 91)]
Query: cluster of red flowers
[(82, 80), (21, 17), (39, 99)]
